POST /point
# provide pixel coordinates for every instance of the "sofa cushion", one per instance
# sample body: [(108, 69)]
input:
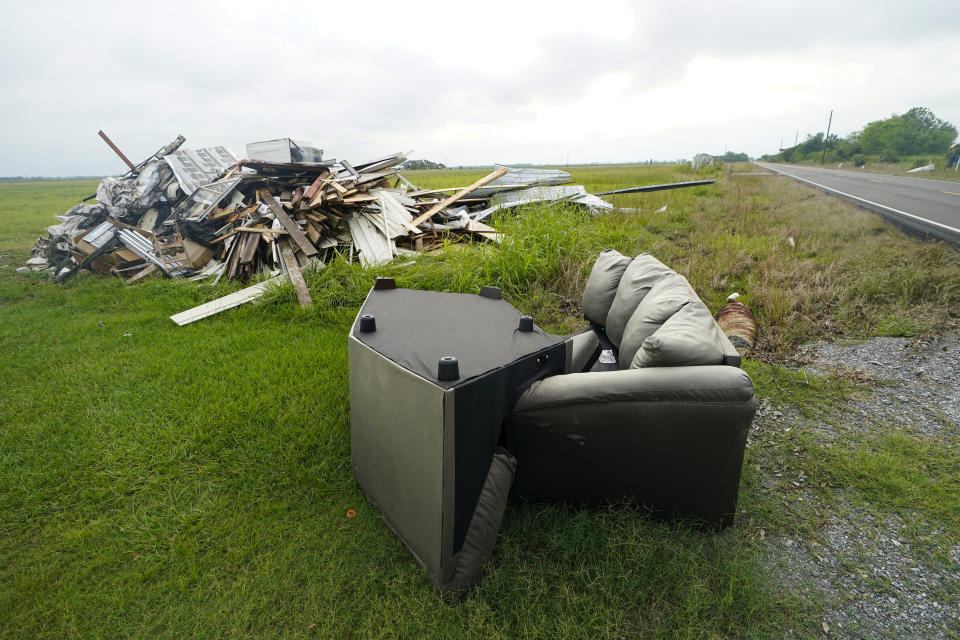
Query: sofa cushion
[(665, 298), (644, 271), (602, 285), (688, 337)]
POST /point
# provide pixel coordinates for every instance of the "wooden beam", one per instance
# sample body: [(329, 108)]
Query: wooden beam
[(222, 304), (296, 277), (298, 236), (429, 213), (117, 151)]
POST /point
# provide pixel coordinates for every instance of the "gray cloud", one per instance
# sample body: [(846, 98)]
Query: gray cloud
[(232, 73)]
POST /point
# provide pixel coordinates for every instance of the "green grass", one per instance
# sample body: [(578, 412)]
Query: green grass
[(194, 481), (27, 208), (902, 472)]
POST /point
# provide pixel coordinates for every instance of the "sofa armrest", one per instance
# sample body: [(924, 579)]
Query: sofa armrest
[(581, 350), (669, 438), (731, 356), (698, 384)]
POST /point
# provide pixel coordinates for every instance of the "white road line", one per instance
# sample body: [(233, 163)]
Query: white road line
[(857, 174), (876, 204)]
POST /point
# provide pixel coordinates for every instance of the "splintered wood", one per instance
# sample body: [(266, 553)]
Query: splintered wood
[(286, 217)]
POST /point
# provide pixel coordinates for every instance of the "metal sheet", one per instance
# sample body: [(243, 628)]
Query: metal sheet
[(197, 167)]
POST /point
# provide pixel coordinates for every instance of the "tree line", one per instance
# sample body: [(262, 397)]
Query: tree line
[(918, 132)]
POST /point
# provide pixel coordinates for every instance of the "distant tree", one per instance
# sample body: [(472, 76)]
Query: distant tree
[(916, 132), (731, 156)]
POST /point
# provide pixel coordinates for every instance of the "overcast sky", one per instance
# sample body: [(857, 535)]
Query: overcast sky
[(461, 83)]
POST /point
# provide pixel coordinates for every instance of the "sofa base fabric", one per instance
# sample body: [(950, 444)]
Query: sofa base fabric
[(484, 525), (671, 440)]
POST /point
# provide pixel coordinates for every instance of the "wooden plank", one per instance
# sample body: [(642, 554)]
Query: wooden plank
[(296, 277), (227, 302), (298, 236), (312, 233), (234, 260), (315, 185), (150, 268), (297, 197), (429, 213), (338, 187), (360, 198), (225, 236), (251, 242), (279, 232), (426, 192)]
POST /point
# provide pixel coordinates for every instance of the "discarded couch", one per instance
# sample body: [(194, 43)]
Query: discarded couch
[(432, 377), (457, 401), (663, 426)]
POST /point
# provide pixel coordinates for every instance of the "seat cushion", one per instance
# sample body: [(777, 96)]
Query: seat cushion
[(602, 285), (665, 298), (643, 272), (689, 337)]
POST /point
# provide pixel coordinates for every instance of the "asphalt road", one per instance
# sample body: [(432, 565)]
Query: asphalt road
[(921, 204)]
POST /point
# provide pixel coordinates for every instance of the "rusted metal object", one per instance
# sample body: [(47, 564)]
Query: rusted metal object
[(117, 151), (738, 324)]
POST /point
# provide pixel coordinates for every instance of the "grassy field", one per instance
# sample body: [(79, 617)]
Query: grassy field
[(164, 481)]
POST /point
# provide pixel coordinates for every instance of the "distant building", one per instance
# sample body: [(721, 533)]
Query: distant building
[(422, 164), (702, 160)]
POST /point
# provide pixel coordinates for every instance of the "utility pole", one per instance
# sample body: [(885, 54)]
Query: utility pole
[(796, 137), (824, 154)]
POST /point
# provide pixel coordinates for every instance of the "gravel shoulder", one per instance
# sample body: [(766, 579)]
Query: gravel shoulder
[(876, 571)]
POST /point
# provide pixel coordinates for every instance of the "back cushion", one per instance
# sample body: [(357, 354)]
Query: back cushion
[(602, 285), (665, 298), (639, 277), (688, 337)]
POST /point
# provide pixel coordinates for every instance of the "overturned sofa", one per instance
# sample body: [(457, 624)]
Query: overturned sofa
[(458, 400), (653, 410), (432, 376)]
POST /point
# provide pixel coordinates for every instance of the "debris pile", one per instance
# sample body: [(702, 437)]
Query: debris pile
[(206, 214), (203, 213)]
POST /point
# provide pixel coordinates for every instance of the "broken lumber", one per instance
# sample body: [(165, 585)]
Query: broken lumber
[(296, 277), (298, 236), (429, 213), (226, 302)]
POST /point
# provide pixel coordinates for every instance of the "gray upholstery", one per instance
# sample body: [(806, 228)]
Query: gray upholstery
[(702, 384), (665, 298), (485, 524), (637, 280), (602, 285), (669, 439), (668, 433), (580, 348), (688, 337)]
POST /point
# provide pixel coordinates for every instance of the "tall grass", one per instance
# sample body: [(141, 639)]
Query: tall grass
[(165, 481), (847, 273)]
